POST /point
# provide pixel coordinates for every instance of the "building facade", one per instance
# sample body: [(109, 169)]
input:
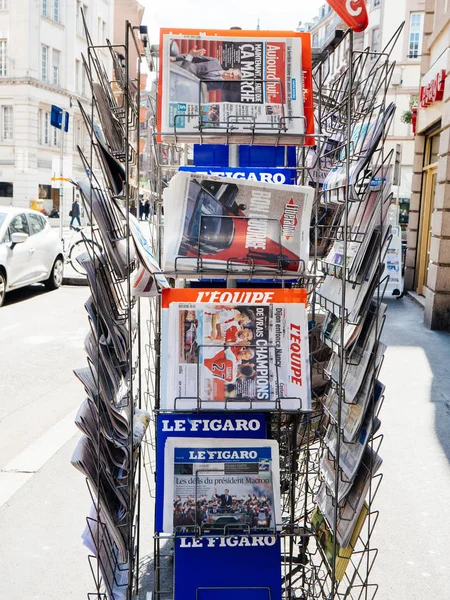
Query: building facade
[(384, 19), (428, 252), (41, 43)]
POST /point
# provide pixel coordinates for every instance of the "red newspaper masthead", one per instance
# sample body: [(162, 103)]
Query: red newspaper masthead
[(352, 12)]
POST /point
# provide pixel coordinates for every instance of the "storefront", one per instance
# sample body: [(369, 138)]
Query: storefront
[(428, 242)]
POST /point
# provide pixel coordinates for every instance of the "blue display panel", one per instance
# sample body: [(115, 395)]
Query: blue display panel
[(243, 567), (208, 425)]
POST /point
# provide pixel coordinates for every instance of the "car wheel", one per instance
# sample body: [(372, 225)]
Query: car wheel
[(56, 276), (2, 288)]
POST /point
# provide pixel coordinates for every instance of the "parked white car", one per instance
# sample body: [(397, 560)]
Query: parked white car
[(30, 251)]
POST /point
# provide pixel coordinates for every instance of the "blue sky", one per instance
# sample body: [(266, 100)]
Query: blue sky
[(273, 14)]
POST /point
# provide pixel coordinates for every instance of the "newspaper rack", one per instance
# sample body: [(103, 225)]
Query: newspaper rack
[(346, 393), (111, 420), (356, 95)]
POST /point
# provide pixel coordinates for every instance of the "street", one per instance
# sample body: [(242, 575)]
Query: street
[(44, 500)]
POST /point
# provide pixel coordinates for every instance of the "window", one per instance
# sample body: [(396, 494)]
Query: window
[(6, 189), (375, 41), (44, 63), (45, 8), (56, 15), (77, 75), (55, 136), (46, 128), (79, 135), (78, 18), (3, 4), (3, 65), (315, 40), (83, 82), (7, 123), (415, 35), (19, 224), (80, 27), (56, 56), (36, 223)]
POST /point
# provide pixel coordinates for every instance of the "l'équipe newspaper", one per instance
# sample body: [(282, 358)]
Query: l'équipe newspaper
[(227, 81), (217, 484), (217, 223), (234, 348)]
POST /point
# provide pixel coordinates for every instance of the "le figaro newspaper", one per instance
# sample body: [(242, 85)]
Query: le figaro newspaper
[(217, 485), (223, 81), (237, 349), (219, 222)]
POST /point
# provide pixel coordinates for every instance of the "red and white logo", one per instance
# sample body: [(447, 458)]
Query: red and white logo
[(352, 12), (289, 220), (434, 91)]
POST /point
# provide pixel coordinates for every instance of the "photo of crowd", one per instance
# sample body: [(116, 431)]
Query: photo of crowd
[(222, 510)]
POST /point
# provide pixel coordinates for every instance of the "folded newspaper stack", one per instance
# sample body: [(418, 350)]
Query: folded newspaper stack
[(235, 349), (365, 139), (219, 223), (235, 87), (221, 485)]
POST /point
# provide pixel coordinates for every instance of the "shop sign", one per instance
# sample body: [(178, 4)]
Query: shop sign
[(434, 90)]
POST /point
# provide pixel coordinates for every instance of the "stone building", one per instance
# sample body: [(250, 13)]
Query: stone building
[(428, 252)]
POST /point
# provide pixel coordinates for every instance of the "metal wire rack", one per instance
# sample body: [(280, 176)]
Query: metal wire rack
[(352, 120)]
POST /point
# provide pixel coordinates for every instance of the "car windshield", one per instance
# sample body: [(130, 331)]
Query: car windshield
[(212, 223)]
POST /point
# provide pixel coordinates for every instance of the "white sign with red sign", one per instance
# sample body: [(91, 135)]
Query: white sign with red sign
[(433, 83)]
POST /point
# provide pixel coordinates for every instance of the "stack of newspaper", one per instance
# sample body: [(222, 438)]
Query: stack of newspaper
[(232, 86), (105, 453), (224, 224), (235, 349), (351, 294), (365, 139)]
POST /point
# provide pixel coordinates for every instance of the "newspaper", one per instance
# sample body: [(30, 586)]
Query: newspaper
[(323, 228), (236, 349), (216, 484), (337, 556), (104, 328), (350, 454), (352, 415), (362, 352), (349, 511), (112, 495), (364, 140), (100, 543), (152, 283), (357, 296), (226, 82), (365, 233), (117, 415), (217, 223)]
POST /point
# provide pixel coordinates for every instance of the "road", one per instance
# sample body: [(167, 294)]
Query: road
[(43, 500)]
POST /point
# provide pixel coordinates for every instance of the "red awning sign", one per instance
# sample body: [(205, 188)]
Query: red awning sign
[(352, 12), (433, 91)]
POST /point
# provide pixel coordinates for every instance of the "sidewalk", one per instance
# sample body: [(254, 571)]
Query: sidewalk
[(414, 498)]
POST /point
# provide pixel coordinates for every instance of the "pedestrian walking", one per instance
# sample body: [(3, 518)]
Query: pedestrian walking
[(133, 210), (75, 214), (146, 209), (141, 208)]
